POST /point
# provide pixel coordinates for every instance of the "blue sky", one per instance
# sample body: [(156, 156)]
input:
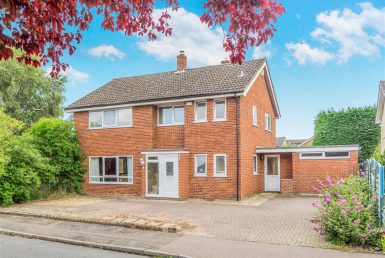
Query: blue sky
[(325, 54)]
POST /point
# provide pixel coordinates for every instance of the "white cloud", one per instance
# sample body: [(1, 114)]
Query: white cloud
[(202, 45), (263, 51), (360, 33), (75, 75), (107, 51), (304, 54)]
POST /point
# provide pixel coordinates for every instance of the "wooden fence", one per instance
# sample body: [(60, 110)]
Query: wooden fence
[(374, 172)]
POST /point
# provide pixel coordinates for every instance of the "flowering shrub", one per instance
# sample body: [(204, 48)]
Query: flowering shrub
[(347, 212)]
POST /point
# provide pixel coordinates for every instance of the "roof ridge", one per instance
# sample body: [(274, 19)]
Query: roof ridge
[(189, 69)]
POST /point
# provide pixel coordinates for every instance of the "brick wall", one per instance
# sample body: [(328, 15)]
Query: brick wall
[(308, 173), (211, 138), (252, 136), (116, 142)]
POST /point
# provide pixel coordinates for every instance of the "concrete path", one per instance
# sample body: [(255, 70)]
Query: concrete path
[(17, 247), (166, 243)]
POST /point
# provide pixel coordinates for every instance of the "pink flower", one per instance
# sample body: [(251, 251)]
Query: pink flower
[(374, 198), (361, 235), (362, 173), (320, 195), (314, 204), (343, 212), (354, 197), (359, 207), (329, 181), (340, 182), (368, 226), (342, 202), (356, 222), (328, 200), (339, 196)]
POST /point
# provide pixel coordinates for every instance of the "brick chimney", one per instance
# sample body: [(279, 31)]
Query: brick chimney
[(225, 61), (181, 61)]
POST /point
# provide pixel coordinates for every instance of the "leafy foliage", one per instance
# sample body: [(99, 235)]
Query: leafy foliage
[(50, 27), (27, 94), (347, 212), (350, 126), (56, 139), (21, 165)]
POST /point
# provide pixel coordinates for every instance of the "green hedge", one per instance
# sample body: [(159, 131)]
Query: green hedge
[(350, 126)]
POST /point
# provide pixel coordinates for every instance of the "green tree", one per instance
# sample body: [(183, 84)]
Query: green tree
[(27, 94), (350, 126), (21, 165), (56, 139)]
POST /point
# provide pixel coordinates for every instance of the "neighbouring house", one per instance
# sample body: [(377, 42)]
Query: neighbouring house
[(283, 142), (380, 116), (196, 133)]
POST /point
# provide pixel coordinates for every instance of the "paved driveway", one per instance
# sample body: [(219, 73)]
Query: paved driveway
[(282, 220)]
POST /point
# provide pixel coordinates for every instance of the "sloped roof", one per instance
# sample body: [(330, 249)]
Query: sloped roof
[(279, 141), (198, 82)]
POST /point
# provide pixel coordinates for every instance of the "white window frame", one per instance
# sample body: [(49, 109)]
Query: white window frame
[(196, 113), (196, 165), (323, 156), (116, 119), (255, 116), (117, 171), (268, 125), (173, 115), (215, 119), (255, 169), (215, 165)]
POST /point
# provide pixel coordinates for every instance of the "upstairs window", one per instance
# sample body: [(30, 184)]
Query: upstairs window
[(220, 110), (200, 111), (255, 116), (173, 115), (267, 122), (111, 118)]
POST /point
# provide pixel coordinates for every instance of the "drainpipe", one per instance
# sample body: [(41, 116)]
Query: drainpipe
[(237, 141)]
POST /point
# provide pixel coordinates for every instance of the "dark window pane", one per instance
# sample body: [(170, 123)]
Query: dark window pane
[(337, 154), (106, 179), (110, 166), (153, 178), (312, 154), (165, 116)]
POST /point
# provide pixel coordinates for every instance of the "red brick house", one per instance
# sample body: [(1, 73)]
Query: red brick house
[(194, 133)]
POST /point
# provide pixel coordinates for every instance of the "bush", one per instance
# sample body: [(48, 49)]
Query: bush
[(21, 165), (56, 139), (20, 181), (347, 212), (350, 126)]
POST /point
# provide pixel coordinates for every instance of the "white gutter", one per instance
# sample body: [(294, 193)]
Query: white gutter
[(308, 149), (70, 110)]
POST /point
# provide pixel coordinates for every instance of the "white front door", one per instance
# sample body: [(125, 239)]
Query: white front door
[(272, 173), (162, 176)]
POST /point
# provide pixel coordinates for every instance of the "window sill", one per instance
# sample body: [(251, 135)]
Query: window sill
[(170, 125), (109, 127), (199, 122), (255, 174), (204, 176), (267, 130), (110, 183), (219, 120), (218, 176)]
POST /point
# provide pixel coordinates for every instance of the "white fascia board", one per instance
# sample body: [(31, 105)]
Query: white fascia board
[(270, 86), (308, 149), (153, 102), (380, 105)]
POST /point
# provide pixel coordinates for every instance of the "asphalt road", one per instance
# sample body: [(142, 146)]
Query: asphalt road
[(17, 247)]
